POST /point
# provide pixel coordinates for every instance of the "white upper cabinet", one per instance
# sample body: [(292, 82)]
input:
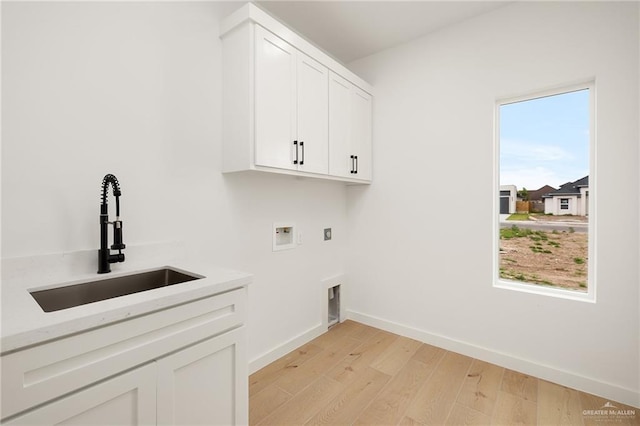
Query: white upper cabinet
[(275, 101), (313, 115), (280, 113), (291, 110), (349, 130), (360, 140)]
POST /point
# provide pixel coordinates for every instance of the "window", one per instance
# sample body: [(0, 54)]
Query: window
[(543, 147)]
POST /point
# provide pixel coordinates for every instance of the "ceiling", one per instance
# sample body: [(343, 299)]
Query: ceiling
[(349, 30)]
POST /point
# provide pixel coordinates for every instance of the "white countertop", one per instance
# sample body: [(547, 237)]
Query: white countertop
[(24, 323)]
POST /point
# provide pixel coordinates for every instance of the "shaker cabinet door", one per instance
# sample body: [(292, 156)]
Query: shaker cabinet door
[(349, 130), (361, 133), (340, 162), (275, 101), (205, 384), (313, 115), (126, 399)]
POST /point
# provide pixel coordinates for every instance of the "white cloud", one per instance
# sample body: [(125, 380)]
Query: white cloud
[(530, 178), (532, 152), (532, 165)]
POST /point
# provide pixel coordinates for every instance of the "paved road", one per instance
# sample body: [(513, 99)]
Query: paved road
[(540, 225)]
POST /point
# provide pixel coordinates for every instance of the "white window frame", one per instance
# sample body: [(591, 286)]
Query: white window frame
[(564, 203), (530, 288)]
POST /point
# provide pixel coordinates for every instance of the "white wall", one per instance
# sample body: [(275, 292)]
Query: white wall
[(513, 196), (427, 271), (553, 205), (134, 89)]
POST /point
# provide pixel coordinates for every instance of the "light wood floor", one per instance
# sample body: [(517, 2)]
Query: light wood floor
[(355, 374)]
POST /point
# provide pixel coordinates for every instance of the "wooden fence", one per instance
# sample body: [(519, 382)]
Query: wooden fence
[(529, 206), (536, 206)]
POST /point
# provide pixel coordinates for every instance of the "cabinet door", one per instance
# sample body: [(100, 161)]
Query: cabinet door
[(349, 129), (361, 132), (340, 162), (127, 399), (205, 384), (313, 115), (275, 101)]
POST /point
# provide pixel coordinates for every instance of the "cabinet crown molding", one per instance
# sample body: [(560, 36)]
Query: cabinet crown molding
[(252, 13)]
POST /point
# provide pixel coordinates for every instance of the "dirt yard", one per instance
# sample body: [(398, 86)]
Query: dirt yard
[(547, 258)]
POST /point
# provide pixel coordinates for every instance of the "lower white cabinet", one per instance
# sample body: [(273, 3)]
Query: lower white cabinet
[(180, 366), (127, 399), (200, 385), (194, 386)]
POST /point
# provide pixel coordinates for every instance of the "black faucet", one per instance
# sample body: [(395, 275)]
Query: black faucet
[(104, 254)]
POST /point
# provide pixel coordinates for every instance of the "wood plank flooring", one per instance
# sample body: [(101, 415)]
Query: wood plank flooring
[(359, 375)]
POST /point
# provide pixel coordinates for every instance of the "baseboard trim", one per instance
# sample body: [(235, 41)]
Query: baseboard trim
[(565, 378), (279, 351)]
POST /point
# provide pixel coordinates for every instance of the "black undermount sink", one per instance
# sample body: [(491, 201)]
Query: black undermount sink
[(55, 299)]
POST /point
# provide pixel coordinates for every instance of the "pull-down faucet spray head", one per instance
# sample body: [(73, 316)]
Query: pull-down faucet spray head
[(104, 255)]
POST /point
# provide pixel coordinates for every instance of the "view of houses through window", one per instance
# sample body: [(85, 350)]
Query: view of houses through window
[(544, 149)]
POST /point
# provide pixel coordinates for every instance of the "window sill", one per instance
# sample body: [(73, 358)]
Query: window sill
[(546, 291)]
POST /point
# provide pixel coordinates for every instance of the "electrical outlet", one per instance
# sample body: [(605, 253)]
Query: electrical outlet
[(327, 234)]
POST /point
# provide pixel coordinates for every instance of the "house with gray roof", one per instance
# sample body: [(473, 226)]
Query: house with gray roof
[(539, 193), (571, 198)]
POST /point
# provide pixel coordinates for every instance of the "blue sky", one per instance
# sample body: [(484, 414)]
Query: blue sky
[(545, 141)]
